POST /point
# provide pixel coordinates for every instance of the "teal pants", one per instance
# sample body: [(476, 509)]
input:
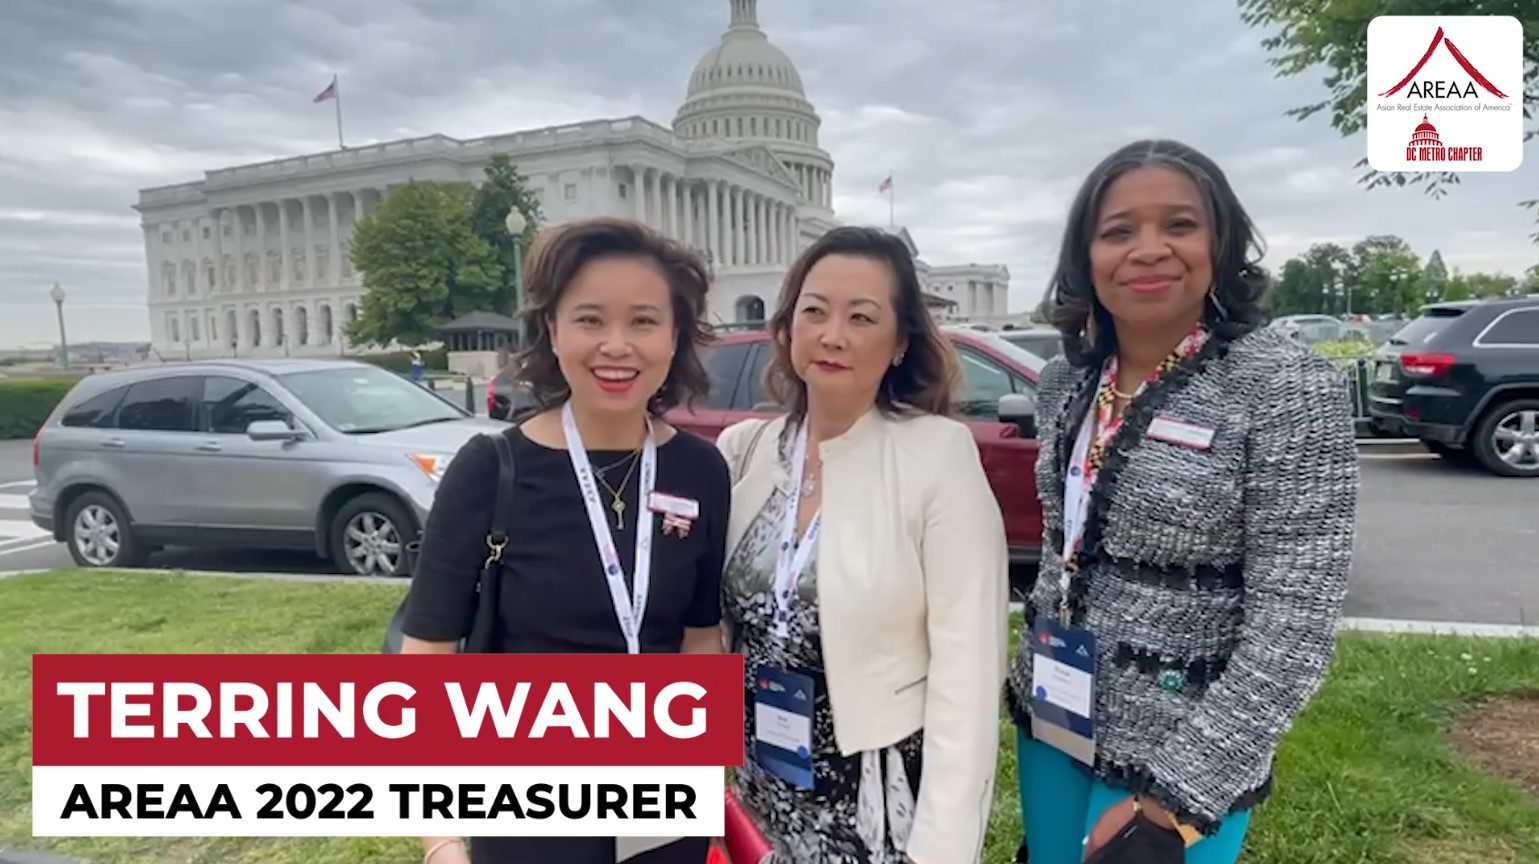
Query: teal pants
[(1060, 804)]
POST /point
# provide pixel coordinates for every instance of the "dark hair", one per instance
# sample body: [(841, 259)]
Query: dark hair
[(1070, 303), (556, 257), (926, 376)]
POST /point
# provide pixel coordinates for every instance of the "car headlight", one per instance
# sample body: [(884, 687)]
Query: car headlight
[(432, 464)]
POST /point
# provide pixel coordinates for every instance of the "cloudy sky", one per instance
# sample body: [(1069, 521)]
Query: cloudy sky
[(989, 112)]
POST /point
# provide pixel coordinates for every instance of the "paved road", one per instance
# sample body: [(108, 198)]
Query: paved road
[(1435, 542)]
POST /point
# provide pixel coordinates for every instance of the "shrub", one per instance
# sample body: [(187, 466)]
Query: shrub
[(24, 405), (399, 362)]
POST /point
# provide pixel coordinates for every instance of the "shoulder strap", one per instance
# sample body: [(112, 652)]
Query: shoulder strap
[(753, 444), (502, 512)]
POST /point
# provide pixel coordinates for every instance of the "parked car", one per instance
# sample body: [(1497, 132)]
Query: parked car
[(998, 400), (1311, 329), (332, 456), (1464, 378), (507, 399), (1045, 342)]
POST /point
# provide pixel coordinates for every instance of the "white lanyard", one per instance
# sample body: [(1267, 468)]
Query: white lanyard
[(790, 559), (1076, 497), (629, 610)]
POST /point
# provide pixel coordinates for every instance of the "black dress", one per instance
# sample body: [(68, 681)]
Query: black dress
[(554, 598)]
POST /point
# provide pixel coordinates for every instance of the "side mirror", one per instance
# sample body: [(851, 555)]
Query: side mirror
[(1020, 409), (273, 430)]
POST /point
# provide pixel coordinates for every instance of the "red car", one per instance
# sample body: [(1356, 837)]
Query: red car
[(998, 400)]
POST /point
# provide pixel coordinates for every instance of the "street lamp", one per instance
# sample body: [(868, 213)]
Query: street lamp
[(57, 294), (516, 225)]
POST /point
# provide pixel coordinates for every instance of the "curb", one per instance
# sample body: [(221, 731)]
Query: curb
[(1440, 628), (12, 855), (230, 574)]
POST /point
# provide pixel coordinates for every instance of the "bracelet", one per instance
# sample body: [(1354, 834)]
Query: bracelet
[(427, 859)]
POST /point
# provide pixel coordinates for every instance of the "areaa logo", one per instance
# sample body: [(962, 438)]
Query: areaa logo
[(1439, 104)]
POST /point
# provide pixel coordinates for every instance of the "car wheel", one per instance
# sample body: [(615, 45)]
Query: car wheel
[(1507, 439), (369, 536), (99, 534)]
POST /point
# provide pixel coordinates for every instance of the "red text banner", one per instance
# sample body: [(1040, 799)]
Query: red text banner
[(381, 710)]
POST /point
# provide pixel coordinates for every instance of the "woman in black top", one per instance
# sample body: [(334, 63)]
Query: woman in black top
[(614, 314)]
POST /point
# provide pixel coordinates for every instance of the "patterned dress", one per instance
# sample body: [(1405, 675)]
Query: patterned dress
[(818, 825)]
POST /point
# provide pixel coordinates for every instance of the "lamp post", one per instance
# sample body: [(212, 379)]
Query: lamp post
[(57, 295), (516, 225)]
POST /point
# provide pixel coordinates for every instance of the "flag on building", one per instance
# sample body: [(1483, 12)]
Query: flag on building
[(886, 184), (329, 93)]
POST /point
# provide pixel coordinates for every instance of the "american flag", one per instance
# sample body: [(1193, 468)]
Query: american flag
[(886, 184), (329, 93)]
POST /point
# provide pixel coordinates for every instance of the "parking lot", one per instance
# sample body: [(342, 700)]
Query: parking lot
[(1434, 542)]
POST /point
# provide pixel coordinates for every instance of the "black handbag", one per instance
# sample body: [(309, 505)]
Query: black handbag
[(1141, 841), (483, 628)]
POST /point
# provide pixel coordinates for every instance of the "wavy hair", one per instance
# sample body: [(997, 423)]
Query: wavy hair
[(1234, 305), (555, 259)]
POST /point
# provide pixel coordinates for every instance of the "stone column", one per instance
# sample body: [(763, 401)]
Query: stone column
[(654, 206), (309, 235), (665, 204), (335, 259), (689, 216), (285, 266), (681, 226), (712, 221), (736, 208), (261, 234), (777, 221), (241, 282), (218, 250)]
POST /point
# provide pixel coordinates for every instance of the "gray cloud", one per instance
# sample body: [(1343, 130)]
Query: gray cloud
[(988, 111)]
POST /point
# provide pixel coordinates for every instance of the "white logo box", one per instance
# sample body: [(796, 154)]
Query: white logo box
[(1473, 108)]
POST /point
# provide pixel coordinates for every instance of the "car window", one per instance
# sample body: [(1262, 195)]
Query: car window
[(1426, 328), (1519, 327), (753, 396), (724, 364), (1044, 345), (96, 412), (231, 405), (361, 400), (160, 405), (984, 382)]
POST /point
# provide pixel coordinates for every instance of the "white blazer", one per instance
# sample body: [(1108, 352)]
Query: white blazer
[(912, 598)]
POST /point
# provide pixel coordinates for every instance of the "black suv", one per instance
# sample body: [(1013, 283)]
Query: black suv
[(1464, 378)]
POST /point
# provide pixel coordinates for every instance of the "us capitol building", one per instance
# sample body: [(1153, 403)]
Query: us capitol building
[(252, 260)]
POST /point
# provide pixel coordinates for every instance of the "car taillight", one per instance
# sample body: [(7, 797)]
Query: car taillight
[(1425, 365), (491, 402), (37, 448)]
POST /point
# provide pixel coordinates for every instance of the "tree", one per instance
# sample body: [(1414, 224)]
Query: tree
[(1530, 281), (422, 265), (1308, 33), (1458, 288), (1434, 278), (1489, 286), (502, 190), (1382, 266), (1312, 283)]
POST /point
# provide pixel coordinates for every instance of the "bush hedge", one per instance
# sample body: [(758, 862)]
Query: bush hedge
[(399, 362), (24, 405)]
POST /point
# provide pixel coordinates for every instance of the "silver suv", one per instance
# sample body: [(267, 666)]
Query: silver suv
[(334, 456)]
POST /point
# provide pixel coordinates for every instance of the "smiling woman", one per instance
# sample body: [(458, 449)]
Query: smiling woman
[(617, 521)]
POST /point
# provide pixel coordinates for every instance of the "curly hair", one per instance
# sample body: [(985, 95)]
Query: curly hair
[(555, 259), (926, 377), (1234, 306)]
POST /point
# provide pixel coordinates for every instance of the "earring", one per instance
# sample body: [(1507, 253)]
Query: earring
[(1217, 306), (1090, 329), (897, 361)]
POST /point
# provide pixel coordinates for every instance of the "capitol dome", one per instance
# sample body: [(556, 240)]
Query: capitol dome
[(747, 90), (1425, 135)]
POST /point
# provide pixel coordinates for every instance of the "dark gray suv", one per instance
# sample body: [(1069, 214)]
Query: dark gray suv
[(334, 456)]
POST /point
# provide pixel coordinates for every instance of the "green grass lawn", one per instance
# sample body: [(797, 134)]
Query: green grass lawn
[(1366, 776)]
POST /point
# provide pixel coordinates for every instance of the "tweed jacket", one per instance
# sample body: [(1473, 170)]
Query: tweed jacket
[(1212, 577)]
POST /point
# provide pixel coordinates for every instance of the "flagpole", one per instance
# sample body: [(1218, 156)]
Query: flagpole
[(892, 192), (337, 98)]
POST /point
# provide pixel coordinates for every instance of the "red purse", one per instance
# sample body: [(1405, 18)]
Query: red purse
[(745, 843)]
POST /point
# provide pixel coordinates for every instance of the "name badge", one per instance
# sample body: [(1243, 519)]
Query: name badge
[(1063, 667), (782, 722), (1180, 433), (674, 505)]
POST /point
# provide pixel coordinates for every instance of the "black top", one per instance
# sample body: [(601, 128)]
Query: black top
[(554, 598)]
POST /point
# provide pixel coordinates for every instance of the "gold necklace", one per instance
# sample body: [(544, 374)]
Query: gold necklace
[(615, 503)]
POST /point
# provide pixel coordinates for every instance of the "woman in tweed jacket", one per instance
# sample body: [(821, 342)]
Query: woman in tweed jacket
[(1217, 529)]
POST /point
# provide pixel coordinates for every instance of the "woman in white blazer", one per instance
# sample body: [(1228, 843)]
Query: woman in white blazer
[(866, 575)]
